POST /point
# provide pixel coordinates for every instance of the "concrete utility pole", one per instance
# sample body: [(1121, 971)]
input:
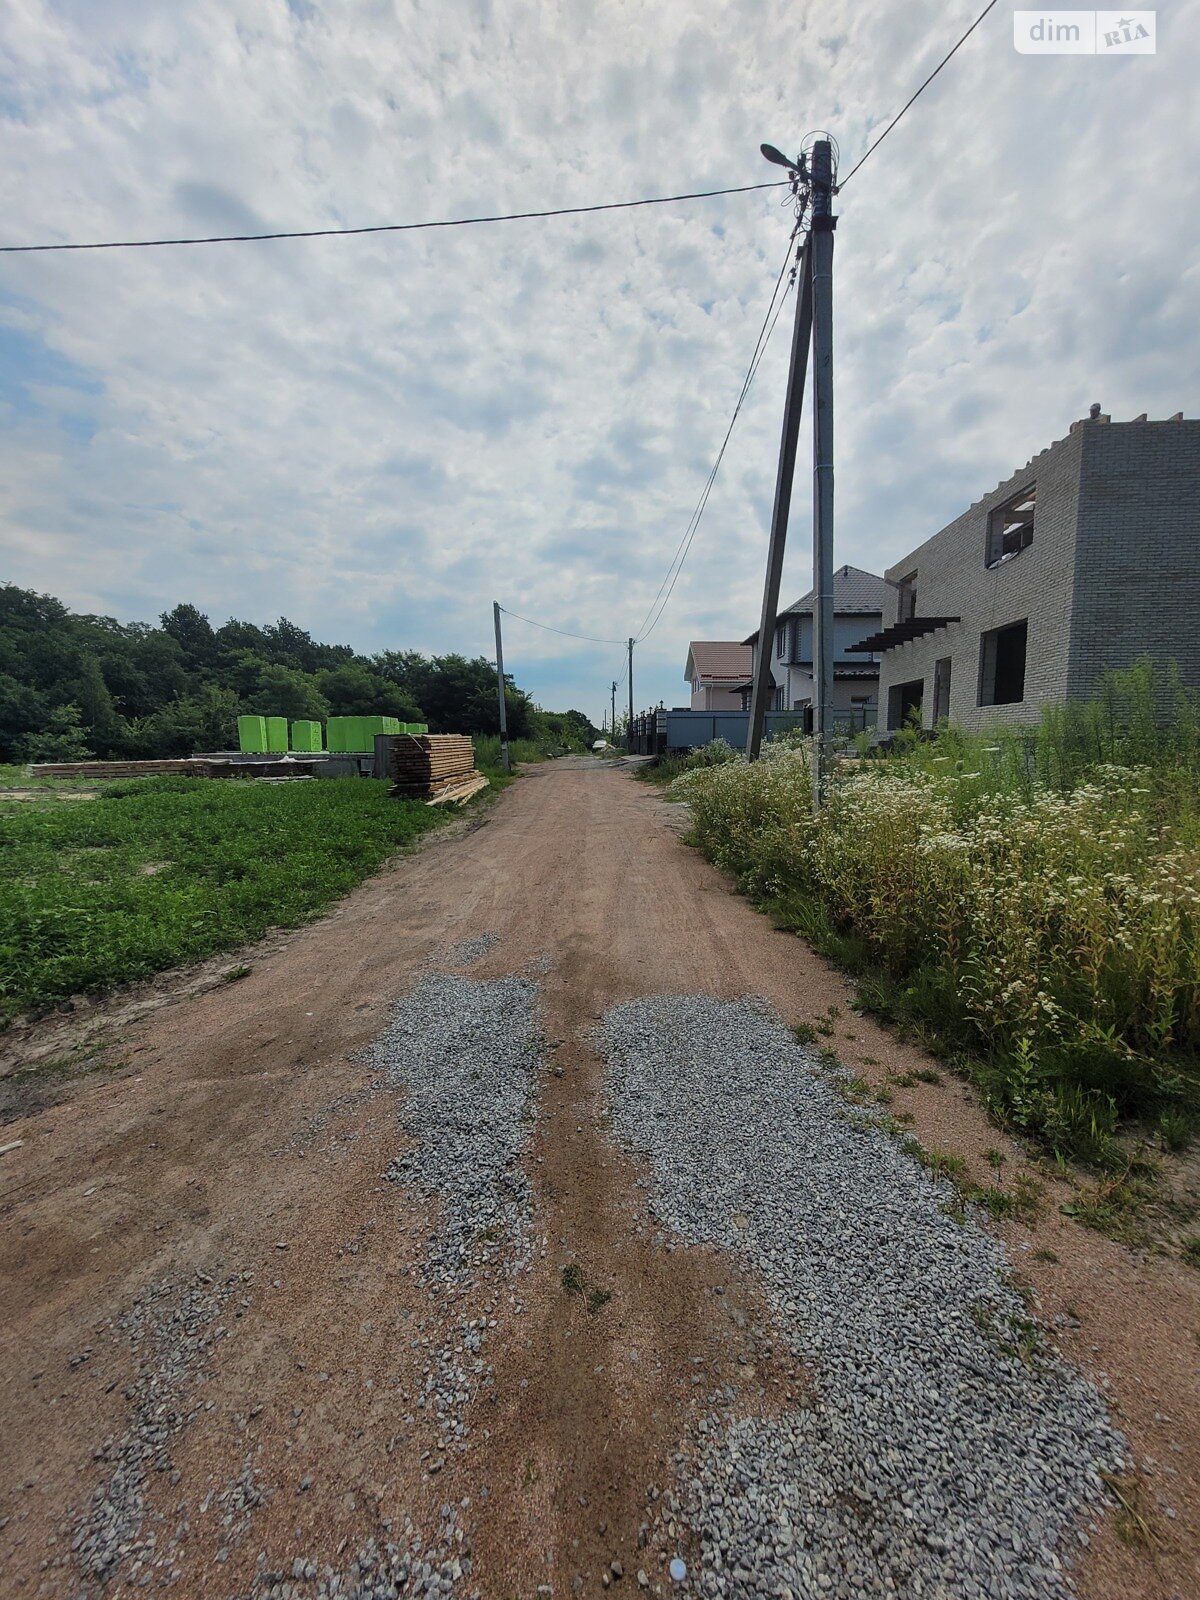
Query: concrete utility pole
[(612, 727), (797, 372), (823, 224), (504, 761), (629, 736)]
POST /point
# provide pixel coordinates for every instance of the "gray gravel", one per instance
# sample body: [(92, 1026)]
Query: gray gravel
[(465, 1054), (936, 1460), (172, 1330), (467, 951), (394, 1565)]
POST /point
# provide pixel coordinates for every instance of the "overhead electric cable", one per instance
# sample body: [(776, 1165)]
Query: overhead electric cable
[(393, 227), (681, 554), (871, 148), (565, 632)]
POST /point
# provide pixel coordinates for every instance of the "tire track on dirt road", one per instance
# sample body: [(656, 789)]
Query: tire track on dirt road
[(252, 1135)]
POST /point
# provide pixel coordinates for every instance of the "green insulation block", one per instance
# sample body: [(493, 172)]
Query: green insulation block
[(368, 727), (277, 735), (306, 737), (252, 735), (356, 735)]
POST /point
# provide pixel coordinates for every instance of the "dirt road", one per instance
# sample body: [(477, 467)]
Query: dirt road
[(243, 1356)]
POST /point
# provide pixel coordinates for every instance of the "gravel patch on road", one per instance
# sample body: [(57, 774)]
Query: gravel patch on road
[(465, 1054), (172, 1332), (466, 951), (382, 1569), (942, 1456)]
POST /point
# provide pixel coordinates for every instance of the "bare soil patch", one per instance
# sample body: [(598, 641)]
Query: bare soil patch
[(243, 1120)]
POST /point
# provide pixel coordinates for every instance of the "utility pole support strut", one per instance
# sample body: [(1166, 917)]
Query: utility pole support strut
[(797, 372)]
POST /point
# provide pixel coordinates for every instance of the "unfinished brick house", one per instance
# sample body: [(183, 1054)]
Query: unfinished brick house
[(1086, 559)]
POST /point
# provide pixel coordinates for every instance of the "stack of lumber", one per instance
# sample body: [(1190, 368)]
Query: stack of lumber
[(119, 769), (435, 767), (186, 767)]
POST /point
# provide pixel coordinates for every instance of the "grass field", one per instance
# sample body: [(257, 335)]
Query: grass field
[(161, 871)]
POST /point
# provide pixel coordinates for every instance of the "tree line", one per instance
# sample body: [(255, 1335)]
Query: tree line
[(73, 685)]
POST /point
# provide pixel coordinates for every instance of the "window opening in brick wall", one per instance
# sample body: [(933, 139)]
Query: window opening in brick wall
[(941, 689), (1002, 665), (1010, 527), (906, 601), (903, 700)]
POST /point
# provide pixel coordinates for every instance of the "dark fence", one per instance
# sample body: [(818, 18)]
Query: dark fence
[(655, 732)]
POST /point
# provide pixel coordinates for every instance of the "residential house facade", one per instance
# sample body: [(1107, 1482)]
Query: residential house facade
[(1086, 559), (717, 670), (861, 600)]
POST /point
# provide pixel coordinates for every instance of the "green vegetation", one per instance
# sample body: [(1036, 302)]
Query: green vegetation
[(665, 769), (574, 1281), (74, 686), (552, 733), (168, 870), (1027, 903)]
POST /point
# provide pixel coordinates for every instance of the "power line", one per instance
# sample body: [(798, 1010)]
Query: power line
[(772, 316), (871, 148), (685, 544), (673, 570), (392, 227), (566, 634)]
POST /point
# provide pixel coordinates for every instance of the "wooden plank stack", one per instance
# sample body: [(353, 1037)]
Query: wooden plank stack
[(434, 767), (184, 767)]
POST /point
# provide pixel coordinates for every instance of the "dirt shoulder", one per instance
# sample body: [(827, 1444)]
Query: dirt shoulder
[(244, 1143)]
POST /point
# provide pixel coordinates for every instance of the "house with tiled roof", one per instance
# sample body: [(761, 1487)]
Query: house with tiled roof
[(718, 670), (860, 601)]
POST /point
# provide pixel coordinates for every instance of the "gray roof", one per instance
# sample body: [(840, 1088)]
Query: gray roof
[(855, 592)]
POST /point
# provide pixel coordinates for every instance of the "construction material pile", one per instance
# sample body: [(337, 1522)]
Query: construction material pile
[(184, 767), (438, 768)]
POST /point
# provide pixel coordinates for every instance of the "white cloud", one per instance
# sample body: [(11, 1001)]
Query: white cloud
[(377, 436)]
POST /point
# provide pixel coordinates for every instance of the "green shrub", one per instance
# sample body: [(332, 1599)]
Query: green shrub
[(1031, 901)]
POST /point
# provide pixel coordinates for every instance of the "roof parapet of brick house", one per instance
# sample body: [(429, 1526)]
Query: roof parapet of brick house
[(1082, 561)]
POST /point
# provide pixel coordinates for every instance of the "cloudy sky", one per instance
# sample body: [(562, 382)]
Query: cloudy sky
[(377, 436)]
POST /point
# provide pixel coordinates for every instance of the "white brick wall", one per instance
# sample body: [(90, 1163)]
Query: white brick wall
[(1113, 572)]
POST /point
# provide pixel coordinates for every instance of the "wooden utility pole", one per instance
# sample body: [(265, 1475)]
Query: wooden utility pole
[(821, 238), (629, 736), (504, 761), (797, 372)]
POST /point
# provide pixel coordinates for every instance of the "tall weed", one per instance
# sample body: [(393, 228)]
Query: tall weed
[(1033, 895)]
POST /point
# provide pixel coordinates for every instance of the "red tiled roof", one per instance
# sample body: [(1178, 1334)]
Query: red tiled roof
[(719, 659)]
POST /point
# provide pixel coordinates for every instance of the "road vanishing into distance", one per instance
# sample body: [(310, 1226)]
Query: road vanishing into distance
[(497, 1235)]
